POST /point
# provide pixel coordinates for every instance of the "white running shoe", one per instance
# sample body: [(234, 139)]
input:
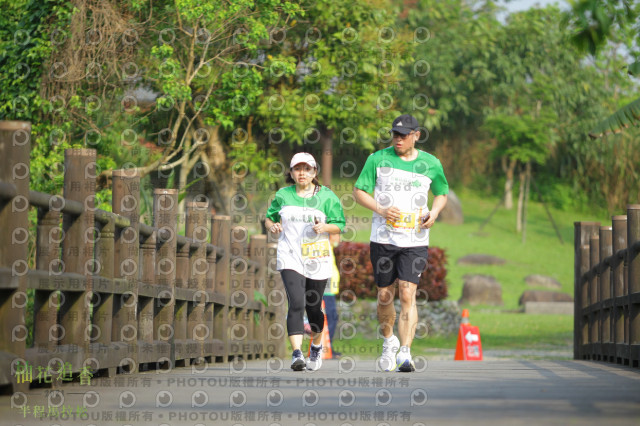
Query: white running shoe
[(404, 361), (297, 361), (315, 358), (387, 361)]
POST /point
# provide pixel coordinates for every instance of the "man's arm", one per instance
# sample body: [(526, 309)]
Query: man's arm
[(366, 200), (439, 201)]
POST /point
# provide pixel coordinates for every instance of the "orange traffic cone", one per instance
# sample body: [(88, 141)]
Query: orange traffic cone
[(327, 353), (469, 347)]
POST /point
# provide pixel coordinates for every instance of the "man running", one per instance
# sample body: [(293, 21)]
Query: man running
[(400, 178)]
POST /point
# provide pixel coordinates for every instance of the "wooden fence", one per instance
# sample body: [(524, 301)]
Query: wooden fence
[(607, 290), (113, 295)]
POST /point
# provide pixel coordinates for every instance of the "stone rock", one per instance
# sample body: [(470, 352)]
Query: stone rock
[(452, 212), (481, 290), (536, 280), (440, 318), (552, 308), (480, 259), (544, 296)]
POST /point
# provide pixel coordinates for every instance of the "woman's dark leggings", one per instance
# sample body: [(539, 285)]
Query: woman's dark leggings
[(303, 293)]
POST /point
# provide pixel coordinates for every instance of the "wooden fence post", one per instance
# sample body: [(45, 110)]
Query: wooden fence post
[(606, 250), (212, 260), (239, 327), (618, 278), (221, 237), (583, 231), (183, 329), (277, 299), (196, 230), (594, 298), (165, 218), (77, 252), (127, 266), (633, 256), (103, 301), (15, 146), (258, 249), (45, 311)]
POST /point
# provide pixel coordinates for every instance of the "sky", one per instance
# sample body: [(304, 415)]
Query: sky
[(516, 5)]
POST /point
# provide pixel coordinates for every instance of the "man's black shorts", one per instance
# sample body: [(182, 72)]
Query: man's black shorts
[(391, 262)]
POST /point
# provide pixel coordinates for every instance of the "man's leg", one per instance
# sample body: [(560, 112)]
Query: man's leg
[(386, 319), (386, 310), (385, 275), (412, 263), (408, 312)]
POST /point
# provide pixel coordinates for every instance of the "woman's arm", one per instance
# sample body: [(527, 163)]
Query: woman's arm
[(326, 227), (273, 227)]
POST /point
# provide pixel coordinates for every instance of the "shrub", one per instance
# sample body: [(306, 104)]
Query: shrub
[(356, 273)]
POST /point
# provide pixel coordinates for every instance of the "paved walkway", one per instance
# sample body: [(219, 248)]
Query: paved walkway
[(348, 392)]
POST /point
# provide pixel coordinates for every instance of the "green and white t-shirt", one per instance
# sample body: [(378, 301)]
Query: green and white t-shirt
[(405, 185), (299, 247)]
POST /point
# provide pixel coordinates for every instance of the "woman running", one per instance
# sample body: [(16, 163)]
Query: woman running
[(304, 214)]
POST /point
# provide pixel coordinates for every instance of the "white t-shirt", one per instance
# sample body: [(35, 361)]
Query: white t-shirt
[(405, 185), (299, 247)]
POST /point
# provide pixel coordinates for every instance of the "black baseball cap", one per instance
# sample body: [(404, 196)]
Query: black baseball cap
[(405, 124)]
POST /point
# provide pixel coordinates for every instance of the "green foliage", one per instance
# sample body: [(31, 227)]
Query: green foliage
[(594, 22), (334, 72), (524, 73), (634, 68), (520, 138), (260, 297), (451, 73), (26, 33), (283, 75), (541, 254), (627, 116)]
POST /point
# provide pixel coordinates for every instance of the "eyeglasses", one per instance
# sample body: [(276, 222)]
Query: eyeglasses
[(398, 135)]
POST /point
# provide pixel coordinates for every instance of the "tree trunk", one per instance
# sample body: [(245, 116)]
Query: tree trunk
[(219, 186), (327, 157), (508, 184), (520, 202), (526, 201), (182, 183)]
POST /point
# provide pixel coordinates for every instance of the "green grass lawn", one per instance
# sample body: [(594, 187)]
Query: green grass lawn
[(541, 253), (501, 327), (498, 332)]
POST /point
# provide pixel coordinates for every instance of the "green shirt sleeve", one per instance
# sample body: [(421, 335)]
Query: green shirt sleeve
[(273, 212), (367, 179), (439, 184), (334, 212)]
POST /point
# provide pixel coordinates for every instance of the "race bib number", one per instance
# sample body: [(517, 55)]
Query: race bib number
[(316, 249), (406, 222)]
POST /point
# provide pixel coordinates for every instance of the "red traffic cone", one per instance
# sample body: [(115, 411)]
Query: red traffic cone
[(469, 346)]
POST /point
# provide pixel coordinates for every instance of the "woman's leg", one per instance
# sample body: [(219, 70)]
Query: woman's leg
[(313, 295), (294, 284)]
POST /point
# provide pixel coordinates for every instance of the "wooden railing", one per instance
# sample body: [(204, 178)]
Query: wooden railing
[(113, 295), (607, 290)]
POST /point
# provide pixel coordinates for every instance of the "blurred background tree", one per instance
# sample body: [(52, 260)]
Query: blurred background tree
[(219, 95)]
